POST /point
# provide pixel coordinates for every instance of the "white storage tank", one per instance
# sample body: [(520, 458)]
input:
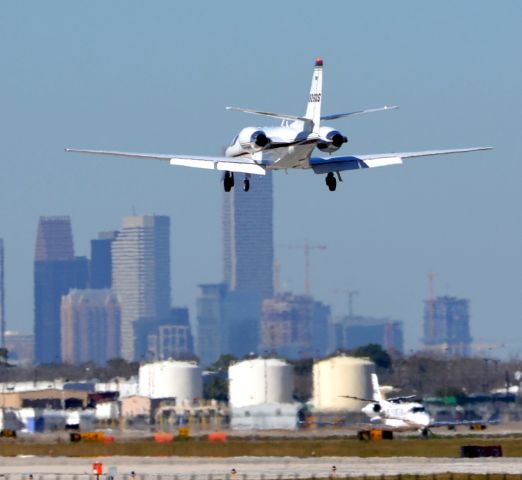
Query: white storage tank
[(260, 380), (338, 376), (171, 379)]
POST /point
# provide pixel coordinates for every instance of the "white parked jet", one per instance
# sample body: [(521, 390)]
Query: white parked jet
[(288, 146), (398, 413)]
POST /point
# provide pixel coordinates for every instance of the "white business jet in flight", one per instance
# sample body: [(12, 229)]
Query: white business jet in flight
[(257, 150)]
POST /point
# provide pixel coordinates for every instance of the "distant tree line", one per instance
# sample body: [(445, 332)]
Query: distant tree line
[(438, 375), (420, 373), (116, 367)]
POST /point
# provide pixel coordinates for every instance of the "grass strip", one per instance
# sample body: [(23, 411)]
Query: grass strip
[(407, 447)]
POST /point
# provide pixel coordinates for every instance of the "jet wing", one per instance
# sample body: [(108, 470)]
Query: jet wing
[(355, 162), (240, 165)]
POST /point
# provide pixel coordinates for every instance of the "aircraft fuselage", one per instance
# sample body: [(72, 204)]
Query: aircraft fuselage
[(289, 147)]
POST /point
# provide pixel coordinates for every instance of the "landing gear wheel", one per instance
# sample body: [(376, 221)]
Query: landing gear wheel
[(331, 182), (227, 184), (228, 181), (246, 185)]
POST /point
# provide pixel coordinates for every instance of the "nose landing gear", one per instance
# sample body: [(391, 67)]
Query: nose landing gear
[(246, 184)]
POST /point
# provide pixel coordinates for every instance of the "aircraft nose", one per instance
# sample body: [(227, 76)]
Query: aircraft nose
[(425, 419)]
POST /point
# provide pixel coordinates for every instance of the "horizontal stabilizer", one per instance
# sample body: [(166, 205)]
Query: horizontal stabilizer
[(281, 116), (334, 116), (357, 398)]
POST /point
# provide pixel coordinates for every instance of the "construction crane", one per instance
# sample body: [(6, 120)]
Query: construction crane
[(306, 247), (431, 307), (349, 296)]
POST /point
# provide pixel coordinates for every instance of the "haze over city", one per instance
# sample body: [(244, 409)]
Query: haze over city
[(139, 77)]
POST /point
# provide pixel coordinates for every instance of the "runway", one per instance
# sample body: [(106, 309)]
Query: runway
[(197, 468)]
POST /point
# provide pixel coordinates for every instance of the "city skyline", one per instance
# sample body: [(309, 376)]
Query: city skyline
[(385, 230), (55, 250), (88, 324), (84, 320)]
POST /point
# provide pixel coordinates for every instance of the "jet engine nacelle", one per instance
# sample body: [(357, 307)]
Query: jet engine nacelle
[(331, 140), (253, 139)]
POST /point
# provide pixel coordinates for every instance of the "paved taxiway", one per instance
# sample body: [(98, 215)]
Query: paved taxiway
[(254, 467)]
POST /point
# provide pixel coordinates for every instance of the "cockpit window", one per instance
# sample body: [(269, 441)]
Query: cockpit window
[(418, 409)]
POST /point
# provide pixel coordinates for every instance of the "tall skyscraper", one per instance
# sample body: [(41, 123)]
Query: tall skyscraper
[(446, 325), (2, 295), (101, 260), (248, 257), (210, 322), (248, 238), (56, 271), (90, 326), (141, 273)]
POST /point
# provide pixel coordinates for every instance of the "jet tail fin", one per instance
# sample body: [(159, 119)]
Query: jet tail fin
[(313, 108), (377, 397)]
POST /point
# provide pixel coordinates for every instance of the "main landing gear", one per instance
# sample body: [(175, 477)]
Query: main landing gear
[(331, 181), (228, 182)]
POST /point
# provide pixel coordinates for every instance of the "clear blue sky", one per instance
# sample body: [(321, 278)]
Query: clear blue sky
[(156, 76)]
